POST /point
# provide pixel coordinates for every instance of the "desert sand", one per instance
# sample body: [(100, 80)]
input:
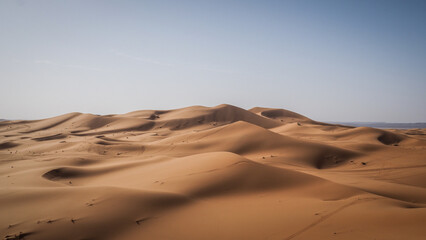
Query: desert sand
[(209, 173)]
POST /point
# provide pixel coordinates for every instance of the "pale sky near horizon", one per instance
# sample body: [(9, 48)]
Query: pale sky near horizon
[(329, 60)]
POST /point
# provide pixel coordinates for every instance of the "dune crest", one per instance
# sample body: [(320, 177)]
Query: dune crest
[(200, 172)]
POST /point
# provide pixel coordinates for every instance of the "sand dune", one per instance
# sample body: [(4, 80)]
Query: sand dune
[(209, 173)]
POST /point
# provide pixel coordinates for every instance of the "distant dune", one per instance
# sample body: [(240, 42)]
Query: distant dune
[(384, 125), (209, 173)]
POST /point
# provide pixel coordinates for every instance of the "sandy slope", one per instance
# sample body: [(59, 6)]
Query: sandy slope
[(209, 173)]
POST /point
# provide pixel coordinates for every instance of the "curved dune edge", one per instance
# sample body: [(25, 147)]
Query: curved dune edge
[(209, 173)]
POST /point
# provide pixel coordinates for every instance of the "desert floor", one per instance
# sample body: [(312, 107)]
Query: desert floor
[(209, 173)]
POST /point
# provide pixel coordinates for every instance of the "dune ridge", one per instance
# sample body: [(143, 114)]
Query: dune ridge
[(200, 172)]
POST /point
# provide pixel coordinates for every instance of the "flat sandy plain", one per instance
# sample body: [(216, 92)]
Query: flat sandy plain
[(209, 173)]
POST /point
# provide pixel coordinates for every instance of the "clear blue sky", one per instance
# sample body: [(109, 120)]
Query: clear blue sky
[(329, 60)]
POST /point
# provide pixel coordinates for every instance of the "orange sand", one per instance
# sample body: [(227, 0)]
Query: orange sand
[(209, 173)]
